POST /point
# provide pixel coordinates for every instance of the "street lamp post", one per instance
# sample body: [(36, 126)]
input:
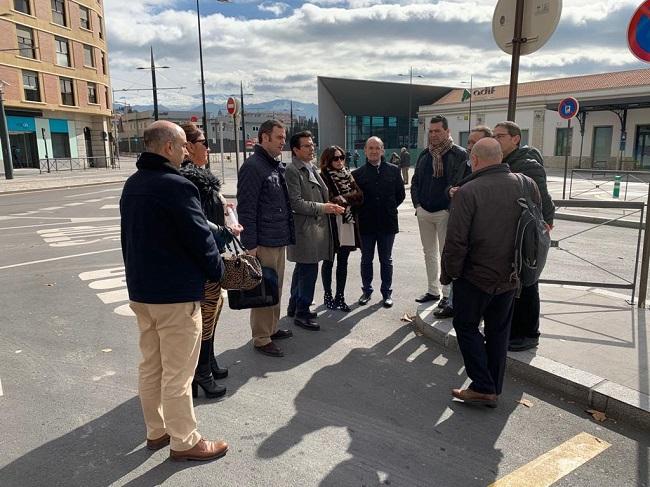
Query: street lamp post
[(153, 68), (4, 136), (410, 119)]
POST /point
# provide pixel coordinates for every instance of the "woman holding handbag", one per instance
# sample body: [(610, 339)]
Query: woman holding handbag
[(214, 207), (343, 190)]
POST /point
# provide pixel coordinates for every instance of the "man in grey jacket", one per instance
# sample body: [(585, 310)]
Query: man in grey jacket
[(309, 200)]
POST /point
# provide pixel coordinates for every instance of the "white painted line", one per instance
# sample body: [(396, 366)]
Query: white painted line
[(22, 264), (102, 273), (93, 193), (51, 208), (1, 391), (109, 207), (76, 203), (114, 296)]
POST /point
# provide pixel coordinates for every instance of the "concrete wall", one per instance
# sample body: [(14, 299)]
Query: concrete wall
[(331, 120)]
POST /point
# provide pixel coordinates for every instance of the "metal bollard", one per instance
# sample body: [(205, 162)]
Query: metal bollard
[(617, 187)]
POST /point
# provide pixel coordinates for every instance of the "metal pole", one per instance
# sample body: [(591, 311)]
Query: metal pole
[(234, 125), (645, 259), (153, 84), (582, 135), (410, 102), (514, 66), (205, 115), (223, 171), (567, 148), (4, 138), (47, 157), (291, 118), (243, 123), (469, 121)]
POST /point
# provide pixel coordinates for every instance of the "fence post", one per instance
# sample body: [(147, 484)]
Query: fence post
[(643, 281)]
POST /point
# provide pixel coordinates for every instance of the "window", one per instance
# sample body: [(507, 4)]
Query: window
[(62, 52), (103, 59), (524, 137), (563, 139), (67, 91), (84, 17), (89, 56), (92, 93), (31, 86), (60, 145), (58, 12), (106, 97), (22, 6), (463, 138), (25, 37), (101, 28)]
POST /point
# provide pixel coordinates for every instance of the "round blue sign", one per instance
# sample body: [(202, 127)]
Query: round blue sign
[(568, 108)]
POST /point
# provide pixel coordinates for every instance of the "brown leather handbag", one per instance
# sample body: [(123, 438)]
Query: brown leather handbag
[(242, 271)]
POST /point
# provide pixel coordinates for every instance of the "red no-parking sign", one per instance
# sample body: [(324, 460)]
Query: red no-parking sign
[(638, 32)]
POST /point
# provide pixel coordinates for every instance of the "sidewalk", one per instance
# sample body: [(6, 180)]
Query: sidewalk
[(594, 348)]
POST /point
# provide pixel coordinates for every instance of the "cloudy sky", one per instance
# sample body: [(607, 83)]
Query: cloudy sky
[(278, 48)]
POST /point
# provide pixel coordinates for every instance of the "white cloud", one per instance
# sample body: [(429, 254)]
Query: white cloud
[(276, 8)]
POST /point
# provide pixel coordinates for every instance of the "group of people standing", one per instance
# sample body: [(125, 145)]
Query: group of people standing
[(174, 230)]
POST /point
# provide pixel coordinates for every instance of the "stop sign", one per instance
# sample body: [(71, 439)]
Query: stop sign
[(232, 106), (194, 118)]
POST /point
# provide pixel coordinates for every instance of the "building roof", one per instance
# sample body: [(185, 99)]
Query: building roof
[(561, 86), (380, 98)]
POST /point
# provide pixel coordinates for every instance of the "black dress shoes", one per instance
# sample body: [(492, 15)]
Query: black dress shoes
[(270, 349), (304, 321), (444, 313), (426, 297), (291, 312), (364, 299), (280, 334), (524, 343), (388, 302)]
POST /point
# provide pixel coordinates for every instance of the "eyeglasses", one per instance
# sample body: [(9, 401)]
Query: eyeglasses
[(338, 158), (204, 142)]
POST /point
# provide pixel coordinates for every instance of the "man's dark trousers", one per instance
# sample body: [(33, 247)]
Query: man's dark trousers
[(485, 357), (525, 317), (303, 286), (384, 243)]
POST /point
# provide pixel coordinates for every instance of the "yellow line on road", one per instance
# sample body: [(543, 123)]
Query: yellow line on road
[(556, 463)]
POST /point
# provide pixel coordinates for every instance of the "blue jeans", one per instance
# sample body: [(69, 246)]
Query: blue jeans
[(384, 243), (303, 286)]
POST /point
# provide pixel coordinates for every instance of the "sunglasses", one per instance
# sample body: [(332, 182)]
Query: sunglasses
[(204, 142), (338, 158)]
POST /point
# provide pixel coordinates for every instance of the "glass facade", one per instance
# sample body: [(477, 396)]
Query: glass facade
[(392, 130)]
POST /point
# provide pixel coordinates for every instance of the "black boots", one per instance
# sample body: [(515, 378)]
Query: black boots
[(217, 372), (339, 303), (203, 374), (329, 301)]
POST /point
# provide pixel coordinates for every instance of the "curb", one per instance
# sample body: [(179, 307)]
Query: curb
[(62, 186), (617, 401), (596, 220)]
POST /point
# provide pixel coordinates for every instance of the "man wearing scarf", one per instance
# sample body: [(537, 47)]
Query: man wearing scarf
[(439, 168)]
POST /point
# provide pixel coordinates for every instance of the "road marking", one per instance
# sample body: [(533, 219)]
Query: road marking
[(117, 296), (550, 467), (111, 278), (109, 207), (51, 208), (82, 235), (22, 264), (76, 203), (1, 391), (93, 193)]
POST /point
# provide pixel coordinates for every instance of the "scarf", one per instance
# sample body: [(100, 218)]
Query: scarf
[(437, 151), (342, 180)]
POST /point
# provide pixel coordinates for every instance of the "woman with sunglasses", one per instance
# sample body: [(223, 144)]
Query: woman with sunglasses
[(214, 207), (343, 191)]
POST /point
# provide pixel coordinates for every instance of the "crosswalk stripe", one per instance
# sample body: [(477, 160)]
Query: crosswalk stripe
[(550, 467)]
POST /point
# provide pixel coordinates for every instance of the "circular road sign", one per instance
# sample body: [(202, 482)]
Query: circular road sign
[(540, 20), (638, 32), (232, 105), (568, 108)]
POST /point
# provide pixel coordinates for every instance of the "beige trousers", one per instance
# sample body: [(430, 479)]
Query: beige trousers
[(433, 230), (169, 343), (264, 321)]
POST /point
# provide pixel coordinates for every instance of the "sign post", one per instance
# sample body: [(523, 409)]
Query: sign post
[(568, 108), (233, 107)]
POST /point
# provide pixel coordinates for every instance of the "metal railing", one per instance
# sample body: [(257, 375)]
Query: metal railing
[(637, 207), (606, 180), (77, 163)]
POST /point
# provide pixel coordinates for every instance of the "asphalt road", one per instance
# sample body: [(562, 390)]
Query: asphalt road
[(363, 402)]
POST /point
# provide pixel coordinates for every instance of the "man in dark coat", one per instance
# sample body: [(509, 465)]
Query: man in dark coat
[(169, 252), (383, 189), (478, 257), (265, 213), (439, 168), (524, 333)]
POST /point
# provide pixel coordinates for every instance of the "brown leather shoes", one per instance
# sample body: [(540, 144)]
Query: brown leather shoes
[(270, 349), (158, 443), (474, 398), (202, 451)]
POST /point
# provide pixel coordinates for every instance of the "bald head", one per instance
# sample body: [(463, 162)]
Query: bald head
[(486, 152), (166, 139), (374, 149)]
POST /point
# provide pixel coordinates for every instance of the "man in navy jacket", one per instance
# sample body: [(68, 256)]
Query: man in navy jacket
[(169, 252)]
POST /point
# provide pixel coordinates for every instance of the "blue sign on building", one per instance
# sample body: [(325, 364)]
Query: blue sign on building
[(21, 124), (58, 126)]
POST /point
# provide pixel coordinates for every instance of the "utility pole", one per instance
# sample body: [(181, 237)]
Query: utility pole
[(153, 68), (516, 54), (243, 122), (4, 136)]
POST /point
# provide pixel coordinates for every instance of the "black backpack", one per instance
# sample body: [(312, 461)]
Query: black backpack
[(533, 239)]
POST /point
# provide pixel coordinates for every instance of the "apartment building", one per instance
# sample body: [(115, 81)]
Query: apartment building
[(54, 66)]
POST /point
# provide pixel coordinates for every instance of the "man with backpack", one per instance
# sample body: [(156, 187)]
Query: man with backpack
[(524, 333), (478, 258)]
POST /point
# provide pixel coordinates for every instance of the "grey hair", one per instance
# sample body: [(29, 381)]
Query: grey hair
[(381, 142)]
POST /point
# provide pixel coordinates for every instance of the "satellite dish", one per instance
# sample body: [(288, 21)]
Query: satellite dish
[(540, 20)]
